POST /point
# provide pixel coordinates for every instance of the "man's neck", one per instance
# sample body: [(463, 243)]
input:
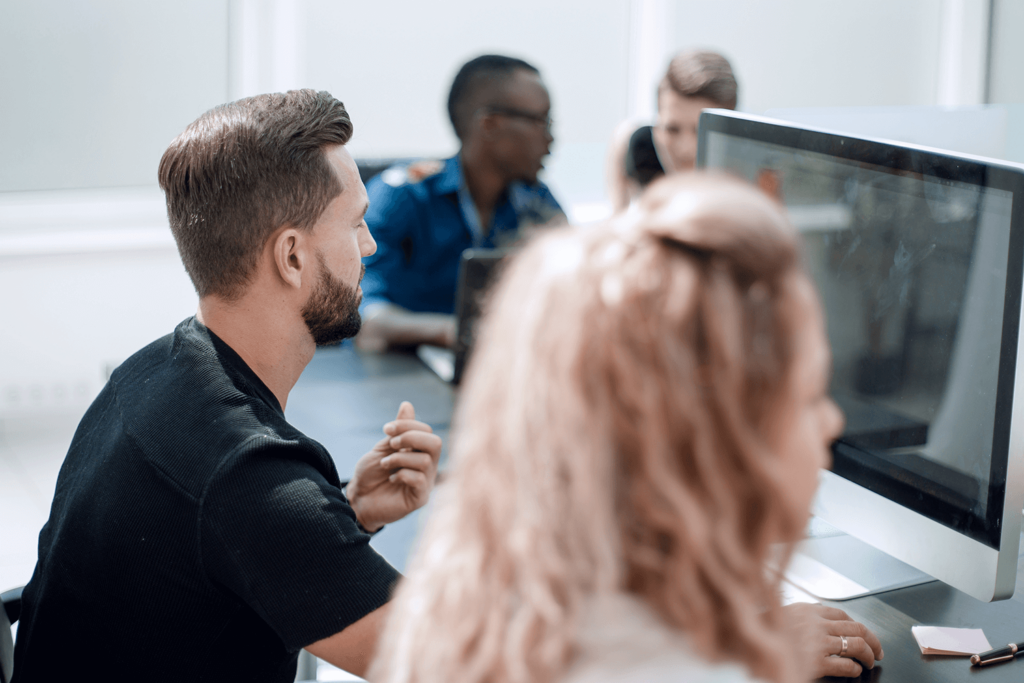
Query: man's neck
[(277, 350), (485, 183)]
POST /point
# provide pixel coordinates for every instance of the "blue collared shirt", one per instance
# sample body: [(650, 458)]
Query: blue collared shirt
[(423, 226)]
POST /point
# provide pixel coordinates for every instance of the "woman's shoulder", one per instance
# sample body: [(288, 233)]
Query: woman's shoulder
[(621, 639)]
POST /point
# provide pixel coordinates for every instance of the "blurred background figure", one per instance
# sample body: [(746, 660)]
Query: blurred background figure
[(644, 418), (695, 80), (424, 215)]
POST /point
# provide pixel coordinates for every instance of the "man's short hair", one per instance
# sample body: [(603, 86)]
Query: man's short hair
[(476, 85), (241, 171), (701, 73)]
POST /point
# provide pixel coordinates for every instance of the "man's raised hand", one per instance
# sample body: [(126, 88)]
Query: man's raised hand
[(396, 477)]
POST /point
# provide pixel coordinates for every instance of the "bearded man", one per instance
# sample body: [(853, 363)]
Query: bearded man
[(195, 534)]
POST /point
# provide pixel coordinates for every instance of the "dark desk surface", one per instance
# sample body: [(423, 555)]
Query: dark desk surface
[(343, 400), (890, 616), (345, 397)]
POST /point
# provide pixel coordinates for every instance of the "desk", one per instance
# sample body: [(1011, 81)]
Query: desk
[(344, 398), (890, 615)]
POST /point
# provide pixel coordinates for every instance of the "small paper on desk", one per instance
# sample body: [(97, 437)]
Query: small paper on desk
[(939, 640)]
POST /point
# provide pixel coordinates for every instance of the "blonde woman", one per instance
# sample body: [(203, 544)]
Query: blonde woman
[(643, 420)]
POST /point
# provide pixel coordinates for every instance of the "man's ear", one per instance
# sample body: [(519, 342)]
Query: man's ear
[(486, 125), (291, 256)]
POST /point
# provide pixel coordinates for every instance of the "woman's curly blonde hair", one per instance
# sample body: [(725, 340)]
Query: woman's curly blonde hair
[(610, 437)]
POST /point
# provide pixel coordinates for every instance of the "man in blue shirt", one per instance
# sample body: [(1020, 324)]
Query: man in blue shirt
[(424, 215)]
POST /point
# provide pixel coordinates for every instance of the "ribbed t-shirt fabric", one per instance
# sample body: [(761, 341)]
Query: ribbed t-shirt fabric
[(194, 533)]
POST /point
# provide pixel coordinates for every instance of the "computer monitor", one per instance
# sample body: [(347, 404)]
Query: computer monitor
[(918, 256)]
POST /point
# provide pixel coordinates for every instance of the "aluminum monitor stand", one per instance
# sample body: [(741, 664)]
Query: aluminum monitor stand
[(832, 565)]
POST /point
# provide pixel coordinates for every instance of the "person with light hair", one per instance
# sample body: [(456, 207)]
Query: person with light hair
[(640, 428), (695, 80)]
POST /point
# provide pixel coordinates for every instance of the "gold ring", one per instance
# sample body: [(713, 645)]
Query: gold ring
[(846, 644)]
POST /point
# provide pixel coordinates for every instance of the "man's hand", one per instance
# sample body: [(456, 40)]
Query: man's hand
[(388, 325), (818, 631), (396, 477)]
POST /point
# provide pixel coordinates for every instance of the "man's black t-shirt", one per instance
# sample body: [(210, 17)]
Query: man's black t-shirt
[(194, 534)]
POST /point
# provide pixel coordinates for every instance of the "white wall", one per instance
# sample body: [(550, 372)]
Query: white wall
[(804, 53), (91, 93), (1006, 82), (88, 278), (392, 64)]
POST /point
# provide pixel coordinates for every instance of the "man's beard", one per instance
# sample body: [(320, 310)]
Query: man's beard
[(332, 311)]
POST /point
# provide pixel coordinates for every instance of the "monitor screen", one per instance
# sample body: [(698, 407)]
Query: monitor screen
[(911, 252)]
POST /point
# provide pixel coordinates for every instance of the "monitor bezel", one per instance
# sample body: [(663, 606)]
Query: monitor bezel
[(939, 164)]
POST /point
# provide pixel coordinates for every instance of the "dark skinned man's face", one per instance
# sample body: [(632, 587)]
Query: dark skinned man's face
[(521, 136)]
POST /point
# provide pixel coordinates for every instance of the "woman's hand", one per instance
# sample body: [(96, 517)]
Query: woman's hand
[(819, 632)]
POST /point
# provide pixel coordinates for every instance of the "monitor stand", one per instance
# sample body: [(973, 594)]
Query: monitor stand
[(841, 567)]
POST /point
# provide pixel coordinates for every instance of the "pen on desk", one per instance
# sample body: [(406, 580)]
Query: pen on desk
[(1000, 654)]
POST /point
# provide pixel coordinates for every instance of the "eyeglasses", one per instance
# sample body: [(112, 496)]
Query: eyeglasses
[(540, 119)]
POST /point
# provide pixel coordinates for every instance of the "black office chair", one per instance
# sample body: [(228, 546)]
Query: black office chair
[(370, 168), (11, 601)]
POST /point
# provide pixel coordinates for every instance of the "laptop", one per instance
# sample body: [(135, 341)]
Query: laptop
[(477, 271)]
